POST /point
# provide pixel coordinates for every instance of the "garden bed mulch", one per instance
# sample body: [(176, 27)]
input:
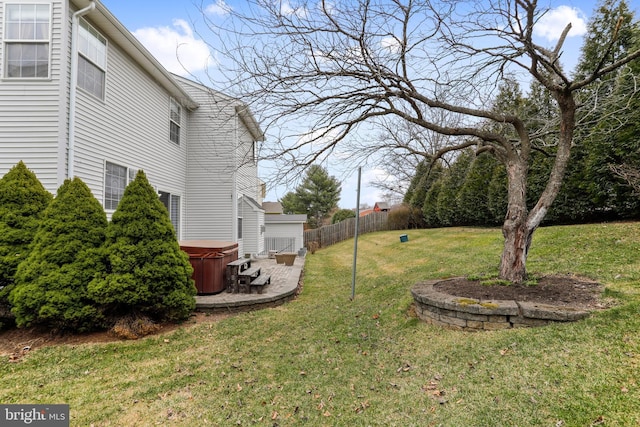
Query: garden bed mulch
[(16, 343), (559, 290)]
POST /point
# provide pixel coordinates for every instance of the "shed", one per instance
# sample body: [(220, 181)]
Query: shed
[(284, 233)]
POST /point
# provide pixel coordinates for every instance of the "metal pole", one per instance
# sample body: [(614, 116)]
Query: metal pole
[(355, 239)]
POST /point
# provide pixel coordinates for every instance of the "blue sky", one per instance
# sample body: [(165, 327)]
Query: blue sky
[(162, 25)]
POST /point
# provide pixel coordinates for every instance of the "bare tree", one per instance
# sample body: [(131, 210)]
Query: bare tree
[(400, 146), (318, 74)]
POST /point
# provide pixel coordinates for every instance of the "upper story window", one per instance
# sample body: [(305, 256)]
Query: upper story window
[(27, 38), (92, 59), (175, 113)]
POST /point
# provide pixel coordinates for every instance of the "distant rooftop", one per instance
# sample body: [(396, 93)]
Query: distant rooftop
[(272, 208)]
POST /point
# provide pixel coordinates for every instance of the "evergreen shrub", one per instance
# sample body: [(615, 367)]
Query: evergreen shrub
[(51, 284), (341, 215), (147, 274), (23, 198)]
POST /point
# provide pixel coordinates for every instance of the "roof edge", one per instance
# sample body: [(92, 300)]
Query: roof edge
[(130, 44)]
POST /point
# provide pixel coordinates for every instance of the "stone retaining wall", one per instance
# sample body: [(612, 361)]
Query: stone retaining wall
[(476, 315)]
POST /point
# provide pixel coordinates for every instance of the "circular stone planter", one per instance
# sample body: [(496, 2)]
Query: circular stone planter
[(472, 314)]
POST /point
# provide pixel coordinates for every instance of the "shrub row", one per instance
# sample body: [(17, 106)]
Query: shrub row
[(64, 266)]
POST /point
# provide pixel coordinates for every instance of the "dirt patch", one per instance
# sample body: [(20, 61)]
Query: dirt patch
[(568, 291), (15, 343)]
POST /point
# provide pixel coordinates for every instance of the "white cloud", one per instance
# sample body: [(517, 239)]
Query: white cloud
[(369, 195), (176, 47), (286, 10), (219, 8), (551, 25), (392, 44), (316, 139)]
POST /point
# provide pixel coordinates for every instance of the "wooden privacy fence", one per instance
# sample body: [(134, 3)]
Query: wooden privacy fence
[(334, 233)]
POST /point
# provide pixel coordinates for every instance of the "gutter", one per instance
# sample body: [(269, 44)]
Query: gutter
[(73, 86)]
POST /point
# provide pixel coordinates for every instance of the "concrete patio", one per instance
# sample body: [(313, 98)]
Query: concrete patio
[(285, 283)]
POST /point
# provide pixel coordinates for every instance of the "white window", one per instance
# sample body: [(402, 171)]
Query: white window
[(116, 179), (172, 203), (175, 113), (92, 59), (27, 37)]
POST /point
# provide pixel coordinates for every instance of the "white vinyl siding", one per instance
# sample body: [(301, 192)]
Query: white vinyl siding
[(219, 172), (33, 112), (253, 226), (129, 126), (211, 198)]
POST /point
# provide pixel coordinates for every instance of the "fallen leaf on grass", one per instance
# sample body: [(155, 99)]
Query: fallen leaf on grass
[(362, 406), (405, 368), (431, 386)]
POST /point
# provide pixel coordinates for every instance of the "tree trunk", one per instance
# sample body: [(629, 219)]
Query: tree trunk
[(517, 238), (519, 224)]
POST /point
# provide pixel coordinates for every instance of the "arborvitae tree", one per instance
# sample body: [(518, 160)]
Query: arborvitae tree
[(430, 206), (447, 205), (22, 201), (614, 141), (427, 174), (609, 36), (497, 192), (147, 274), (51, 284), (606, 136), (473, 197), (416, 193)]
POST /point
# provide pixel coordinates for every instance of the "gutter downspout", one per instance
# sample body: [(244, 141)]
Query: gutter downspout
[(234, 192), (73, 85)]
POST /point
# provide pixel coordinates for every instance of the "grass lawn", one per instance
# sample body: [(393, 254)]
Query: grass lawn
[(324, 360)]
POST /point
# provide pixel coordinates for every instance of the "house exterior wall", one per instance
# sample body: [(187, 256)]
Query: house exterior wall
[(221, 171), (211, 195), (253, 226), (33, 112), (130, 127)]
